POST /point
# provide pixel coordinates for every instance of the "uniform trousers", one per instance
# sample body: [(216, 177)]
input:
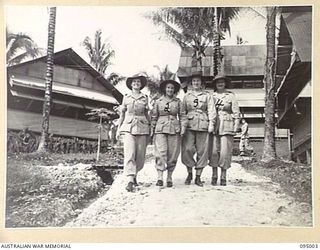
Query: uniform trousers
[(220, 151), (244, 144), (167, 150), (195, 142), (134, 149)]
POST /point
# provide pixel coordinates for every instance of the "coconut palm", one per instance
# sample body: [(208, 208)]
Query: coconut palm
[(48, 84), (269, 151), (222, 18), (196, 27), (19, 47), (100, 54)]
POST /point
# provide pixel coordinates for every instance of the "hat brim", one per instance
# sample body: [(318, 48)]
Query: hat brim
[(194, 76), (164, 84), (214, 81), (143, 80)]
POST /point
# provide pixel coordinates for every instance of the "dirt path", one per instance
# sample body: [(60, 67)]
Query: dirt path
[(247, 200)]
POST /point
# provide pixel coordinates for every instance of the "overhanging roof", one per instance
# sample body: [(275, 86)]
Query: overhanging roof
[(63, 89), (69, 58), (299, 25)]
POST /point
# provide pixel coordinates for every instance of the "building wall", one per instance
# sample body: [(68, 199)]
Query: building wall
[(302, 130), (19, 120)]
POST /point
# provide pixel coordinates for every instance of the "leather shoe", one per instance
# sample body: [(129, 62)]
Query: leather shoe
[(169, 184), (159, 183), (223, 182), (129, 187), (189, 179), (198, 181), (135, 183), (214, 181)]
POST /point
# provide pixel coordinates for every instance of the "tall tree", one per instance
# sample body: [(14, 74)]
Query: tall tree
[(197, 28), (221, 25), (269, 151), (19, 47), (100, 54), (48, 84)]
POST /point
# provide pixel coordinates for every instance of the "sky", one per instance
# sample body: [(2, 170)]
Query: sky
[(138, 43)]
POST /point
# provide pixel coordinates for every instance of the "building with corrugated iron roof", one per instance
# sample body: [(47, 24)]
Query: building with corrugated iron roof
[(244, 65), (293, 78), (77, 88)]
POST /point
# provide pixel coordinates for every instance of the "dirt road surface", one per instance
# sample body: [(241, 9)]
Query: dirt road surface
[(247, 200)]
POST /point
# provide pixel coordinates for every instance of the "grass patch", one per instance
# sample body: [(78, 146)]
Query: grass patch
[(50, 190), (295, 179)]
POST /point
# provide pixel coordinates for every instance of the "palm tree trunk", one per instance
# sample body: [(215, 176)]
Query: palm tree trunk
[(48, 84), (216, 44), (269, 150)]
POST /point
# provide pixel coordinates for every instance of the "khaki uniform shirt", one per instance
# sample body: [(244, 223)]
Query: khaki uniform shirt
[(228, 113), (166, 115), (198, 111), (134, 110)]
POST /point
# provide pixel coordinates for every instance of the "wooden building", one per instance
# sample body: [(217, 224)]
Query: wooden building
[(77, 88), (244, 65), (293, 81)]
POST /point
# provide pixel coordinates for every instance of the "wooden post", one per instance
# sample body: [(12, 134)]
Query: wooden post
[(99, 138)]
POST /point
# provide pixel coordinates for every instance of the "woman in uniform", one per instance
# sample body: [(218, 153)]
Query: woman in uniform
[(134, 124), (221, 142), (199, 119), (166, 128)]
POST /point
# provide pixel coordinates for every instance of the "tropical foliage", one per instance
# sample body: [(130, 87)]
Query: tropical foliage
[(100, 54), (197, 28), (19, 47)]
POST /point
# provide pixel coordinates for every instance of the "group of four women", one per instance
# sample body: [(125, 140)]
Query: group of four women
[(202, 126)]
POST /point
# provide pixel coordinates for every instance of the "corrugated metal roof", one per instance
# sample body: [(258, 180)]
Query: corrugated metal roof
[(238, 60), (70, 58), (64, 89), (299, 25)]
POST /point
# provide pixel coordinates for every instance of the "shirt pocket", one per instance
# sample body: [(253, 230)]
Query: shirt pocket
[(159, 126), (143, 124), (191, 121), (227, 124), (204, 123)]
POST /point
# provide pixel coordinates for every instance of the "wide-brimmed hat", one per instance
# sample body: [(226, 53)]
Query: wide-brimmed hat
[(164, 83), (196, 73), (218, 77), (142, 78)]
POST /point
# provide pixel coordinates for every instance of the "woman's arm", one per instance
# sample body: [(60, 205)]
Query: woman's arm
[(236, 113)]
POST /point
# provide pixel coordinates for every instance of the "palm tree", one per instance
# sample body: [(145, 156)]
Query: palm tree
[(222, 18), (19, 47), (48, 84), (269, 151), (100, 54), (195, 27)]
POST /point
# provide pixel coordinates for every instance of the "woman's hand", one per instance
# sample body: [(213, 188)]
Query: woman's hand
[(183, 131), (118, 134)]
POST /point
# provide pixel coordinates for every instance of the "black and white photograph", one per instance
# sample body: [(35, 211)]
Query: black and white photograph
[(159, 116)]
